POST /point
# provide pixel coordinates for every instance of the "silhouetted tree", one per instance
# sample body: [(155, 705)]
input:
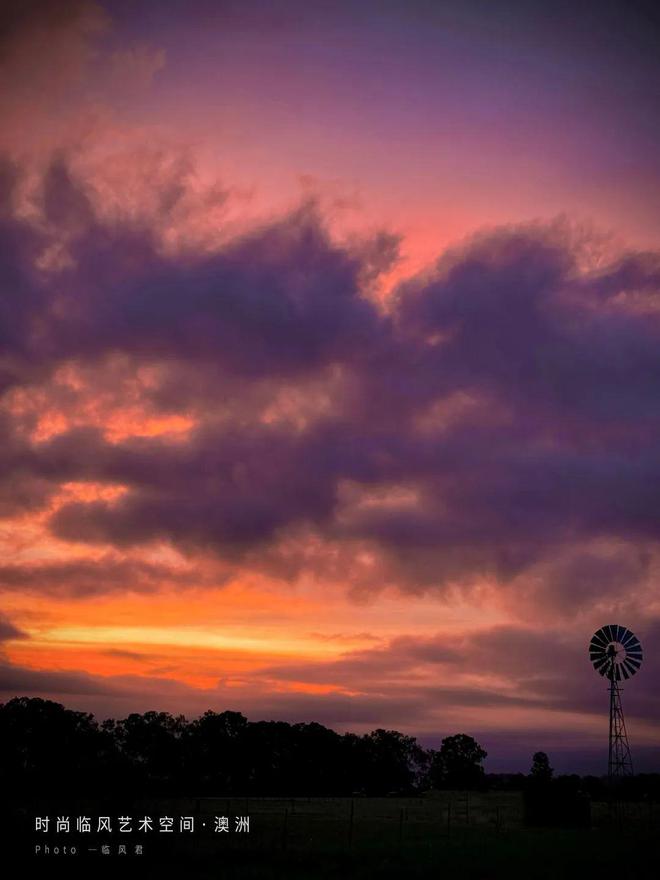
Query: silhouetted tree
[(318, 761), (151, 745), (216, 754), (45, 746), (393, 762), (541, 769), (458, 763)]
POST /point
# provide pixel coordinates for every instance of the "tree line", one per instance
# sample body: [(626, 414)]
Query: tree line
[(45, 747)]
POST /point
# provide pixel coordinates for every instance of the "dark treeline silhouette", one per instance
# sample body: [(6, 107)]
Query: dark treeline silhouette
[(46, 748), (565, 800)]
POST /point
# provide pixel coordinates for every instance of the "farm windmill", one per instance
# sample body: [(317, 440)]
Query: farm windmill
[(616, 654)]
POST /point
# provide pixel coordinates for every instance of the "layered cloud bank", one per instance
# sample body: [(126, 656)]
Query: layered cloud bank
[(255, 459), (494, 417)]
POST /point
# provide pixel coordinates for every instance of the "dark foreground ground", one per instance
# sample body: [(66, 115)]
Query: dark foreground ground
[(453, 835)]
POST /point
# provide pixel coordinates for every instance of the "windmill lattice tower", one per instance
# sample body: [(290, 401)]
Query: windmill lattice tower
[(617, 654)]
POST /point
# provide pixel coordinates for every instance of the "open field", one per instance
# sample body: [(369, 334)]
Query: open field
[(476, 835)]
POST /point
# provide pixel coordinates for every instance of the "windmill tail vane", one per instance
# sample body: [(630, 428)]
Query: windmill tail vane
[(616, 654)]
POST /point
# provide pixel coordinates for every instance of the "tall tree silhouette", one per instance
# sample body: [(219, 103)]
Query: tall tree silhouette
[(458, 763), (541, 769)]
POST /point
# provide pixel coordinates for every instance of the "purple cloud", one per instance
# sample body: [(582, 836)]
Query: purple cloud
[(509, 391), (8, 631)]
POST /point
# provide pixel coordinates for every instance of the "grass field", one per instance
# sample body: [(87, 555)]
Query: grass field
[(454, 834)]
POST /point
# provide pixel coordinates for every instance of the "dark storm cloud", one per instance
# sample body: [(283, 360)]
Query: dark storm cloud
[(583, 578), (22, 296), (19, 680), (103, 695), (516, 320), (511, 391), (8, 631), (281, 299), (90, 577), (201, 493)]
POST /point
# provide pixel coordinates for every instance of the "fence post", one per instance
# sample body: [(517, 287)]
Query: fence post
[(448, 818), (350, 824), (285, 828), (400, 826)]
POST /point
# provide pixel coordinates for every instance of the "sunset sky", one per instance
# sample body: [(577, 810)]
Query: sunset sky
[(330, 363)]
